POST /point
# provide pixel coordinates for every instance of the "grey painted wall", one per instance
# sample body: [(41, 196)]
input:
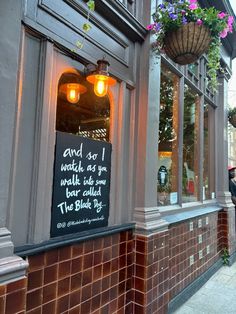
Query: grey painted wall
[(10, 23)]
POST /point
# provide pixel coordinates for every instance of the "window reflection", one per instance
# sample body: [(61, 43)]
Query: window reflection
[(190, 145), (167, 172), (90, 117)]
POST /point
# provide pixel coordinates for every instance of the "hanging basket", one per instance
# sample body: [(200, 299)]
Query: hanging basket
[(186, 44), (232, 120)]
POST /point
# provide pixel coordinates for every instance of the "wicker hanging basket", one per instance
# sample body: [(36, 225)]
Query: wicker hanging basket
[(186, 44), (232, 120)]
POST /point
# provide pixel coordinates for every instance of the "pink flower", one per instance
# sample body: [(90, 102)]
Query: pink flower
[(230, 23), (192, 1), (221, 15), (224, 33), (193, 6), (199, 22), (150, 27)]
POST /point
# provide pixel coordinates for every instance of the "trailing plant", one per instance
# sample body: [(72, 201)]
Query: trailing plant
[(86, 26), (225, 256), (171, 15), (232, 116)]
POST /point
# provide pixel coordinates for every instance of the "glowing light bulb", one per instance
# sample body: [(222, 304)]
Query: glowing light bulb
[(100, 85), (73, 93)]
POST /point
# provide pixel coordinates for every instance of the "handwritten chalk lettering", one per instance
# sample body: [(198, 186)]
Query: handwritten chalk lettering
[(80, 204), (74, 152), (65, 208), (91, 168), (72, 166), (101, 182), (97, 205), (74, 193), (91, 156), (92, 192), (103, 153), (88, 181), (101, 169), (73, 181)]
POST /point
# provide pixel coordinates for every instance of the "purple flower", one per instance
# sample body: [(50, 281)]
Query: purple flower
[(184, 20), (173, 16), (183, 12), (162, 6), (193, 1), (157, 26), (199, 22)]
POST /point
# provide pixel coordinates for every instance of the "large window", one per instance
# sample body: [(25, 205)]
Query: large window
[(190, 145), (167, 174), (186, 143)]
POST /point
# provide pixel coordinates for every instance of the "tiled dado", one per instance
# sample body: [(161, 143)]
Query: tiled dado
[(151, 282), (193, 248), (92, 277)]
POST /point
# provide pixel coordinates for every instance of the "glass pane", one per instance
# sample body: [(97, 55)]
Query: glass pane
[(206, 181), (167, 172), (190, 145), (88, 117)]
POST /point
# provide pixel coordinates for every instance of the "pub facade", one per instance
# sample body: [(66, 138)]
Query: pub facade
[(112, 199)]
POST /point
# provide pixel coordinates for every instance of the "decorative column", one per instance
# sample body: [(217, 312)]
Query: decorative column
[(227, 216), (150, 280), (12, 267)]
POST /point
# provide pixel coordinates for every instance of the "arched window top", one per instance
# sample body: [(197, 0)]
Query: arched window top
[(85, 115)]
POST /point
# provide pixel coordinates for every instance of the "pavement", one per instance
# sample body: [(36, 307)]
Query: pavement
[(217, 296)]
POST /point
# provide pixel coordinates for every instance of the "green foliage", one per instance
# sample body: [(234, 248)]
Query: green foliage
[(231, 112), (86, 26), (171, 16), (225, 256)]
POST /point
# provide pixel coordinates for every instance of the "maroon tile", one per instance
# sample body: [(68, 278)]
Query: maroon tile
[(64, 253), (49, 308), (36, 262), (98, 244), (76, 281), (106, 269), (88, 247), (38, 310), (105, 297), (95, 302), (86, 293), (107, 252), (86, 306), (96, 287), (77, 250), (3, 290), (63, 304), (50, 274), (97, 258), (2, 304), (88, 261), (97, 272), (107, 241), (75, 310), (51, 257), (34, 299), (76, 265), (35, 279), (86, 277), (14, 286), (49, 292), (64, 269), (63, 287), (75, 298)]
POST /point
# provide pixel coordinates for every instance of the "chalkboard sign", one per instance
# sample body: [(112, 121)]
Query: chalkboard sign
[(81, 184)]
